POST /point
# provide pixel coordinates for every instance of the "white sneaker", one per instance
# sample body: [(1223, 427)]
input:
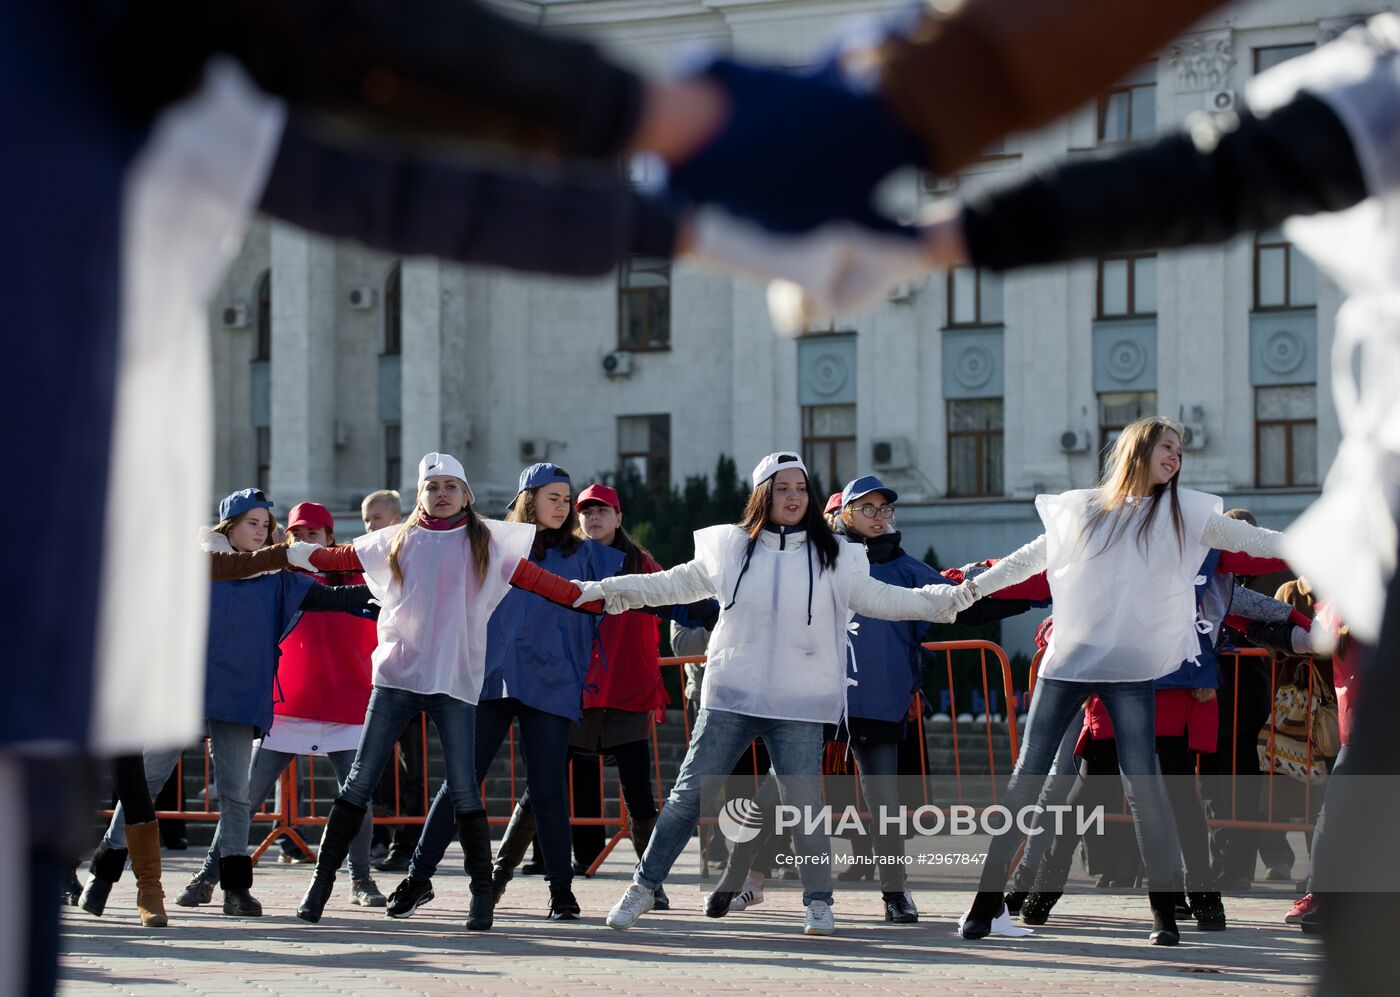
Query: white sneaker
[(750, 896), (634, 903), (819, 920)]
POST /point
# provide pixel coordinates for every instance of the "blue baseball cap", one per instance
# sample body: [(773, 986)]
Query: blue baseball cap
[(537, 476), (244, 500), (863, 486)]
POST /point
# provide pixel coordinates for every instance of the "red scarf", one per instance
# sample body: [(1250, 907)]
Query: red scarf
[(429, 523)]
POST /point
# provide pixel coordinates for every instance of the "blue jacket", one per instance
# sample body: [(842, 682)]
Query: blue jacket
[(1204, 672), (888, 664), (538, 651), (247, 620)]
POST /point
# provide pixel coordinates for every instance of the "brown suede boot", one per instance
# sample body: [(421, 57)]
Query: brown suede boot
[(143, 845)]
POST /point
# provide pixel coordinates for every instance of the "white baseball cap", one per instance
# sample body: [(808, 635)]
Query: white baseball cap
[(775, 462), (441, 465)]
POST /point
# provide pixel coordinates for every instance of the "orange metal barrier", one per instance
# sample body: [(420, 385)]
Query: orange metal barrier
[(285, 818)]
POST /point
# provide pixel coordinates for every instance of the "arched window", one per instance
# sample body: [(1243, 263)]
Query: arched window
[(393, 311), (263, 296)]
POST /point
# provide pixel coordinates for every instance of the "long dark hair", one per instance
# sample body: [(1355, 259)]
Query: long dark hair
[(524, 512), (634, 555), (819, 535)]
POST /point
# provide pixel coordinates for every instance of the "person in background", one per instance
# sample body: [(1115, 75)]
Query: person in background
[(401, 789), (323, 674)]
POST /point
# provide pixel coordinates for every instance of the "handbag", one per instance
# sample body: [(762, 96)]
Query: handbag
[(1305, 712)]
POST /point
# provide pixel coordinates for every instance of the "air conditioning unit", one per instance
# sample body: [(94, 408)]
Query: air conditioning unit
[(1074, 441), (902, 292), (362, 298), (891, 454), (1221, 101), (342, 434), (617, 364), (533, 451), (235, 316), (1195, 436)]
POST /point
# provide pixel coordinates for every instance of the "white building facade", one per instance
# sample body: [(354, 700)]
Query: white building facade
[(336, 368)]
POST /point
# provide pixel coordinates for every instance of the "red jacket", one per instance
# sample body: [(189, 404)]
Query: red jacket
[(324, 671), (1178, 713), (626, 675), (1346, 672)]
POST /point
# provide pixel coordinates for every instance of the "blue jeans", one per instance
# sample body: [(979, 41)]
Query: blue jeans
[(230, 746), (544, 741), (718, 740), (390, 711), (267, 766), (1064, 773), (1132, 708)]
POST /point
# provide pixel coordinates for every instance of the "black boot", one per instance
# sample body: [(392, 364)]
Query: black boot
[(988, 904), (1208, 910), (562, 905), (986, 907), (475, 835), (1037, 906), (519, 833), (899, 907), (535, 865), (1014, 900), (103, 871), (72, 890), (640, 833), (1164, 929), (342, 824), (236, 877), (717, 903)]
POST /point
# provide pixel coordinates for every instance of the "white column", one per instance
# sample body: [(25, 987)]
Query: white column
[(303, 368), (421, 418)]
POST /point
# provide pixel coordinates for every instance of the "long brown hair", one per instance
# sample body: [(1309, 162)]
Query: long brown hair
[(524, 512), (1127, 474), (819, 535), (225, 526), (477, 535)]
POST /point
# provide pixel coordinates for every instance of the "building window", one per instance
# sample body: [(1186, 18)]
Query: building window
[(393, 455), (1268, 58), (1128, 113), (829, 444), (644, 304), (1283, 277), (393, 312), (262, 342), (644, 448), (1127, 286), (974, 297), (1285, 436), (262, 440), (1118, 409), (974, 447)]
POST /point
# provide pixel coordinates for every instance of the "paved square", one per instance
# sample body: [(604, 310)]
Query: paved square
[(1095, 944)]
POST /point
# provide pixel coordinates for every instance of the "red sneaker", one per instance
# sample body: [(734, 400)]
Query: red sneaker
[(1300, 907)]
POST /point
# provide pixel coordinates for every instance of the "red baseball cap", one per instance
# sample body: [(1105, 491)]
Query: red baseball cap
[(598, 493), (311, 514), (833, 504)]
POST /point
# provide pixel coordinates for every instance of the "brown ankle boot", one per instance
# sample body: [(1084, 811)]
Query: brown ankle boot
[(143, 844)]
